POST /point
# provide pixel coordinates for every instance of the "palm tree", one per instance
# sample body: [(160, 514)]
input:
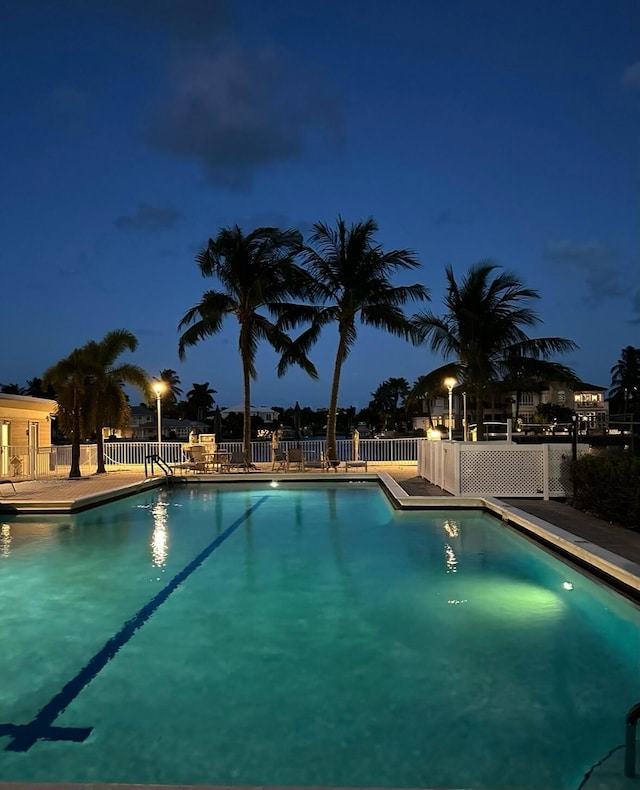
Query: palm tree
[(484, 326), (12, 389), (387, 397), (625, 381), (430, 386), (69, 378), (172, 391), (352, 282), (108, 403), (257, 272), (200, 401)]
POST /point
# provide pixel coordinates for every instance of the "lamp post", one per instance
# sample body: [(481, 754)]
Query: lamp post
[(464, 416), (450, 383), (158, 388)]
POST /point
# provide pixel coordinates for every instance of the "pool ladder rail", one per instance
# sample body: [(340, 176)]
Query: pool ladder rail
[(154, 458), (630, 741)]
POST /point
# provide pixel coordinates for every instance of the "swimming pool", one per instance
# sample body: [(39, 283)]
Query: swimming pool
[(303, 636)]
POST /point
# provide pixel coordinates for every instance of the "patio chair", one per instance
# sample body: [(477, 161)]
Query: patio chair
[(279, 461), (319, 462), (295, 457), (196, 461), (333, 462), (237, 460)]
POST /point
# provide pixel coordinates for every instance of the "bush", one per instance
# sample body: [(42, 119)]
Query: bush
[(609, 487)]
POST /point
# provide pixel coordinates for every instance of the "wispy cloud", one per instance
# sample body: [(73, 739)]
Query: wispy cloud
[(631, 76), (595, 262), (236, 112), (149, 218)]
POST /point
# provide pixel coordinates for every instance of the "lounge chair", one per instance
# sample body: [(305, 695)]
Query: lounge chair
[(316, 463), (355, 465), (279, 461), (333, 462)]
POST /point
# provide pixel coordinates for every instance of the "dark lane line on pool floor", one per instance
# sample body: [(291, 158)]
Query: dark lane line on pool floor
[(41, 726)]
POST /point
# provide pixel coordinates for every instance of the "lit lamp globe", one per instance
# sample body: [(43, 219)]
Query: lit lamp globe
[(450, 383)]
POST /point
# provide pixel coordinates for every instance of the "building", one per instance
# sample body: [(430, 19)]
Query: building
[(264, 412), (586, 400), (25, 427), (143, 426)]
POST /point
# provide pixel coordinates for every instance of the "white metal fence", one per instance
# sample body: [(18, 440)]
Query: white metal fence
[(498, 468), (25, 463)]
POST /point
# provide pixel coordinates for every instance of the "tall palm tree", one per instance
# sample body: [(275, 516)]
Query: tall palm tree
[(108, 403), (486, 317), (69, 379), (352, 282), (258, 273)]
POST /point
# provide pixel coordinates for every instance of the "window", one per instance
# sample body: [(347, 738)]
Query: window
[(526, 399), (562, 396)]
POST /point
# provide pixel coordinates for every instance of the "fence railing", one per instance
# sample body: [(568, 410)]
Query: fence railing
[(24, 463)]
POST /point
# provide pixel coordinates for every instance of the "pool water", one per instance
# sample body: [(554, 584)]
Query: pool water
[(303, 636)]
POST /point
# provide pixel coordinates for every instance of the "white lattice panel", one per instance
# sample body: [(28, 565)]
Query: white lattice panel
[(495, 471)]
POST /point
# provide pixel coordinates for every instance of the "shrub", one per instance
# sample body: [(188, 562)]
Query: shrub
[(609, 487)]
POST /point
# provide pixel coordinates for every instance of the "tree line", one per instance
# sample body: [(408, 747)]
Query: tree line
[(272, 282)]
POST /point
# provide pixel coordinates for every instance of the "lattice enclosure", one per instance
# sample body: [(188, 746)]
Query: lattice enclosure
[(501, 472)]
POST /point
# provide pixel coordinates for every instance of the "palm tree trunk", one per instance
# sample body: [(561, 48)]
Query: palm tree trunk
[(479, 414), (331, 449), (100, 470), (246, 427), (75, 441)]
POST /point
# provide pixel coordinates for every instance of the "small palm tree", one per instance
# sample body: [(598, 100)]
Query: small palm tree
[(108, 403), (258, 274), (625, 382), (483, 328), (172, 391), (352, 282), (69, 379), (200, 401)]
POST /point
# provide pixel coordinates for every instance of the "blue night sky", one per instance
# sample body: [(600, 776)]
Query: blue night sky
[(132, 130)]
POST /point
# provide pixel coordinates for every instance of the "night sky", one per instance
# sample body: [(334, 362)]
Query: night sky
[(132, 130)]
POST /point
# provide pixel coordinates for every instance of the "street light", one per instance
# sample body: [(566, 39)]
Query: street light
[(158, 388), (464, 416), (450, 383)]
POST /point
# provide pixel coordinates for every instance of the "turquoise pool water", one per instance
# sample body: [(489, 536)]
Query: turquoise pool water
[(303, 636)]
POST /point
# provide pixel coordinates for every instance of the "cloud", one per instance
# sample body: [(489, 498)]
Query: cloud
[(631, 76), (149, 218), (236, 112), (596, 263)]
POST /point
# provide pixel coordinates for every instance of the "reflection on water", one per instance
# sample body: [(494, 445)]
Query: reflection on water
[(160, 537), (5, 540)]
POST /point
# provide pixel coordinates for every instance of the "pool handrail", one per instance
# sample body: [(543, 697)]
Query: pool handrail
[(630, 741)]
